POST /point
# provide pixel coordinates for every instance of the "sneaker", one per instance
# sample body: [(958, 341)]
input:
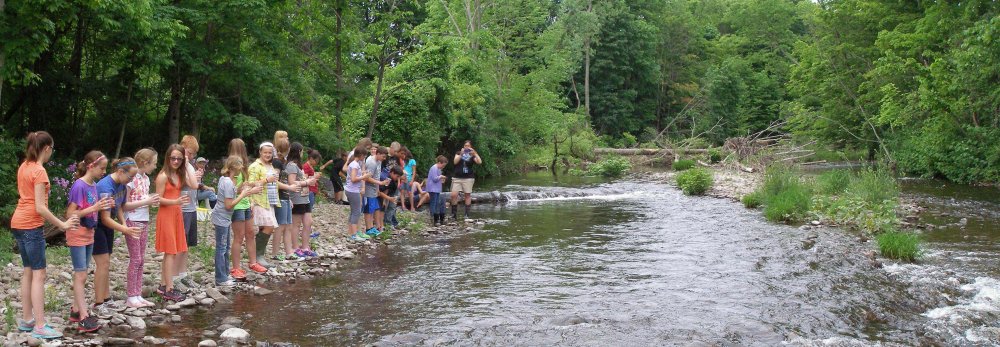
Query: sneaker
[(238, 274), (88, 324), (256, 267), (46, 332), (279, 258), (373, 232), (310, 253), (74, 317), (114, 305), (173, 295), (25, 325), (135, 303), (363, 236), (227, 283), (314, 235), (102, 311), (301, 253), (291, 258)]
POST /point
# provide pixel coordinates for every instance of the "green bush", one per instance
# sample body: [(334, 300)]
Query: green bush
[(610, 167), (6, 246), (695, 181), (8, 173), (899, 245), (683, 164), (833, 182), (791, 204), (874, 186), (752, 200), (714, 155), (777, 179)]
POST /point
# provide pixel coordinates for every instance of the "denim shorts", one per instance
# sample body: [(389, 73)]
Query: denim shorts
[(81, 257), (241, 215), (312, 200), (284, 213), (191, 228), (31, 245)]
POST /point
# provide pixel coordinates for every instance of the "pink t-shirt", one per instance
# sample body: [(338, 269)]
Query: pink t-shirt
[(83, 195)]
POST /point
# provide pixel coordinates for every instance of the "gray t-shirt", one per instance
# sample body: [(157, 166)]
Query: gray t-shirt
[(226, 190), (372, 167), (192, 193), (296, 196)]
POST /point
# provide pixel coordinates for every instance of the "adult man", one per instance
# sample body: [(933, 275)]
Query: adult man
[(464, 177)]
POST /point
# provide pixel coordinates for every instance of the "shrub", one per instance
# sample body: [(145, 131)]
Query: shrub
[(788, 205), (683, 164), (874, 187), (610, 167), (833, 182), (777, 179), (899, 245), (714, 155), (752, 200), (695, 181)]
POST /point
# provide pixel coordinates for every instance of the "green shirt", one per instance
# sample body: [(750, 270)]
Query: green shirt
[(245, 203)]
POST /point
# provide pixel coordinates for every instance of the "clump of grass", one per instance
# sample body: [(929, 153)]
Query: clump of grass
[(899, 245), (868, 202), (204, 253), (58, 255), (8, 315), (833, 182), (786, 198), (683, 164), (874, 186), (753, 200), (695, 181), (610, 167), (714, 155), (53, 299), (6, 246)]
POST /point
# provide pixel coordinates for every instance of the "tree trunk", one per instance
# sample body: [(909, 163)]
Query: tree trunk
[(121, 134), (338, 44), (586, 67), (646, 151), (174, 110), (378, 98), (3, 57)]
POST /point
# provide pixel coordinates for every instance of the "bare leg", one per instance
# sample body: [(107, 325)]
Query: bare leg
[(79, 295), (239, 237), (102, 289), (307, 221)]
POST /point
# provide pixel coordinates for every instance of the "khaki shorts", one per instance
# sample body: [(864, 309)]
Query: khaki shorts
[(462, 185)]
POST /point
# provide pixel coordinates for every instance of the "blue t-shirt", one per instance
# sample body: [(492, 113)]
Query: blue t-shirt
[(408, 169), (117, 191)]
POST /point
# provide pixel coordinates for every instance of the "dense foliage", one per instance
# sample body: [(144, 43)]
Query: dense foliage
[(610, 167), (531, 82), (695, 181)]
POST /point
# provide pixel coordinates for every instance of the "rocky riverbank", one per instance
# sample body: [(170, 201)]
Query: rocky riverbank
[(129, 326)]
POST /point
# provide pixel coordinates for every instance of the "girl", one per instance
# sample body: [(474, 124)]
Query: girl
[(410, 186), (301, 203), (283, 208), (263, 173), (355, 178), (84, 204), (243, 227), (111, 220), (26, 224), (137, 216), (190, 210), (434, 180), (314, 159), (170, 237), (223, 213)]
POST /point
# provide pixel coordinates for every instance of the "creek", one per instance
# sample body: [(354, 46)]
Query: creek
[(635, 262)]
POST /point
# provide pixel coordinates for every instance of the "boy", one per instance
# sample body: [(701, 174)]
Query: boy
[(388, 194), (373, 167), (205, 192)]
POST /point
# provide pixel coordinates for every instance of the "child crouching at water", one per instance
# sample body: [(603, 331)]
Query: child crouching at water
[(222, 215)]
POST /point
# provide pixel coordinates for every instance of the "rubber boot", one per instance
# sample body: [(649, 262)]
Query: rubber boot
[(467, 211), (454, 212), (262, 240)]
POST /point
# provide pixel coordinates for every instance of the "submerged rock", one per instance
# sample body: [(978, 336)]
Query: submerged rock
[(235, 335), (568, 320), (207, 343)]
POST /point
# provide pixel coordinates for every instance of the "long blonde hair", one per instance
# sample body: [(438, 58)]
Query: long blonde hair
[(232, 162), (239, 148)]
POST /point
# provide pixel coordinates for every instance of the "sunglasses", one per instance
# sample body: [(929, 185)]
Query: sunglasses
[(176, 158)]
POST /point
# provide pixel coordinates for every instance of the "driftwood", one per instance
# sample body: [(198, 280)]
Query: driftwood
[(647, 151)]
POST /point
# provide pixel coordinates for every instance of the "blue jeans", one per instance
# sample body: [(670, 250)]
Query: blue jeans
[(80, 255), (222, 245), (31, 245), (390, 214), (208, 195), (436, 203)]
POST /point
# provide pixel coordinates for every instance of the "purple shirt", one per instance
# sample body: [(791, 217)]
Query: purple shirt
[(433, 180), (84, 195)]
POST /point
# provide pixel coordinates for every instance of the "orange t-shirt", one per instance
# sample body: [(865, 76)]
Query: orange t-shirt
[(28, 175)]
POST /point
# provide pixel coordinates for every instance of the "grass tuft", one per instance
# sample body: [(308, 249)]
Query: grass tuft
[(899, 245), (695, 181), (833, 182), (752, 200), (683, 164)]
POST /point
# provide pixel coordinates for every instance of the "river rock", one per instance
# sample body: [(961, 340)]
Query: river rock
[(207, 302), (568, 320), (218, 296), (224, 327), (34, 342), (262, 291), (173, 307), (175, 318), (207, 343), (814, 223), (208, 333), (152, 340), (117, 321), (234, 321), (136, 323), (235, 335), (187, 302), (66, 276)]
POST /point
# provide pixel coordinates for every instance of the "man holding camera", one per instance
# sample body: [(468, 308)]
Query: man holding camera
[(463, 177)]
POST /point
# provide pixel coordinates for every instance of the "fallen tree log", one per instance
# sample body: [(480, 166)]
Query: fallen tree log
[(647, 151)]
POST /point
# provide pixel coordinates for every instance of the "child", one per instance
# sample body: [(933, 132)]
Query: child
[(355, 177), (373, 168), (222, 216), (242, 226), (283, 208), (410, 185), (171, 239), (262, 172), (388, 193), (137, 215), (190, 209), (314, 159), (111, 220), (434, 180), (26, 224), (204, 192), (335, 177), (298, 239), (84, 204)]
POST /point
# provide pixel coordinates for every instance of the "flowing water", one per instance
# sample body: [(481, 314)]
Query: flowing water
[(625, 263)]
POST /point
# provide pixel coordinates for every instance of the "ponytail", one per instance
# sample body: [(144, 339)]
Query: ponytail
[(36, 142), (90, 160)]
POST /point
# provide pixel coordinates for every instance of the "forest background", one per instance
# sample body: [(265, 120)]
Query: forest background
[(915, 84)]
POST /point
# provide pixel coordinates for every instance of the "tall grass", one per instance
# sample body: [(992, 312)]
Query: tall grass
[(683, 164), (874, 186), (899, 245), (786, 197), (867, 202), (833, 182)]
